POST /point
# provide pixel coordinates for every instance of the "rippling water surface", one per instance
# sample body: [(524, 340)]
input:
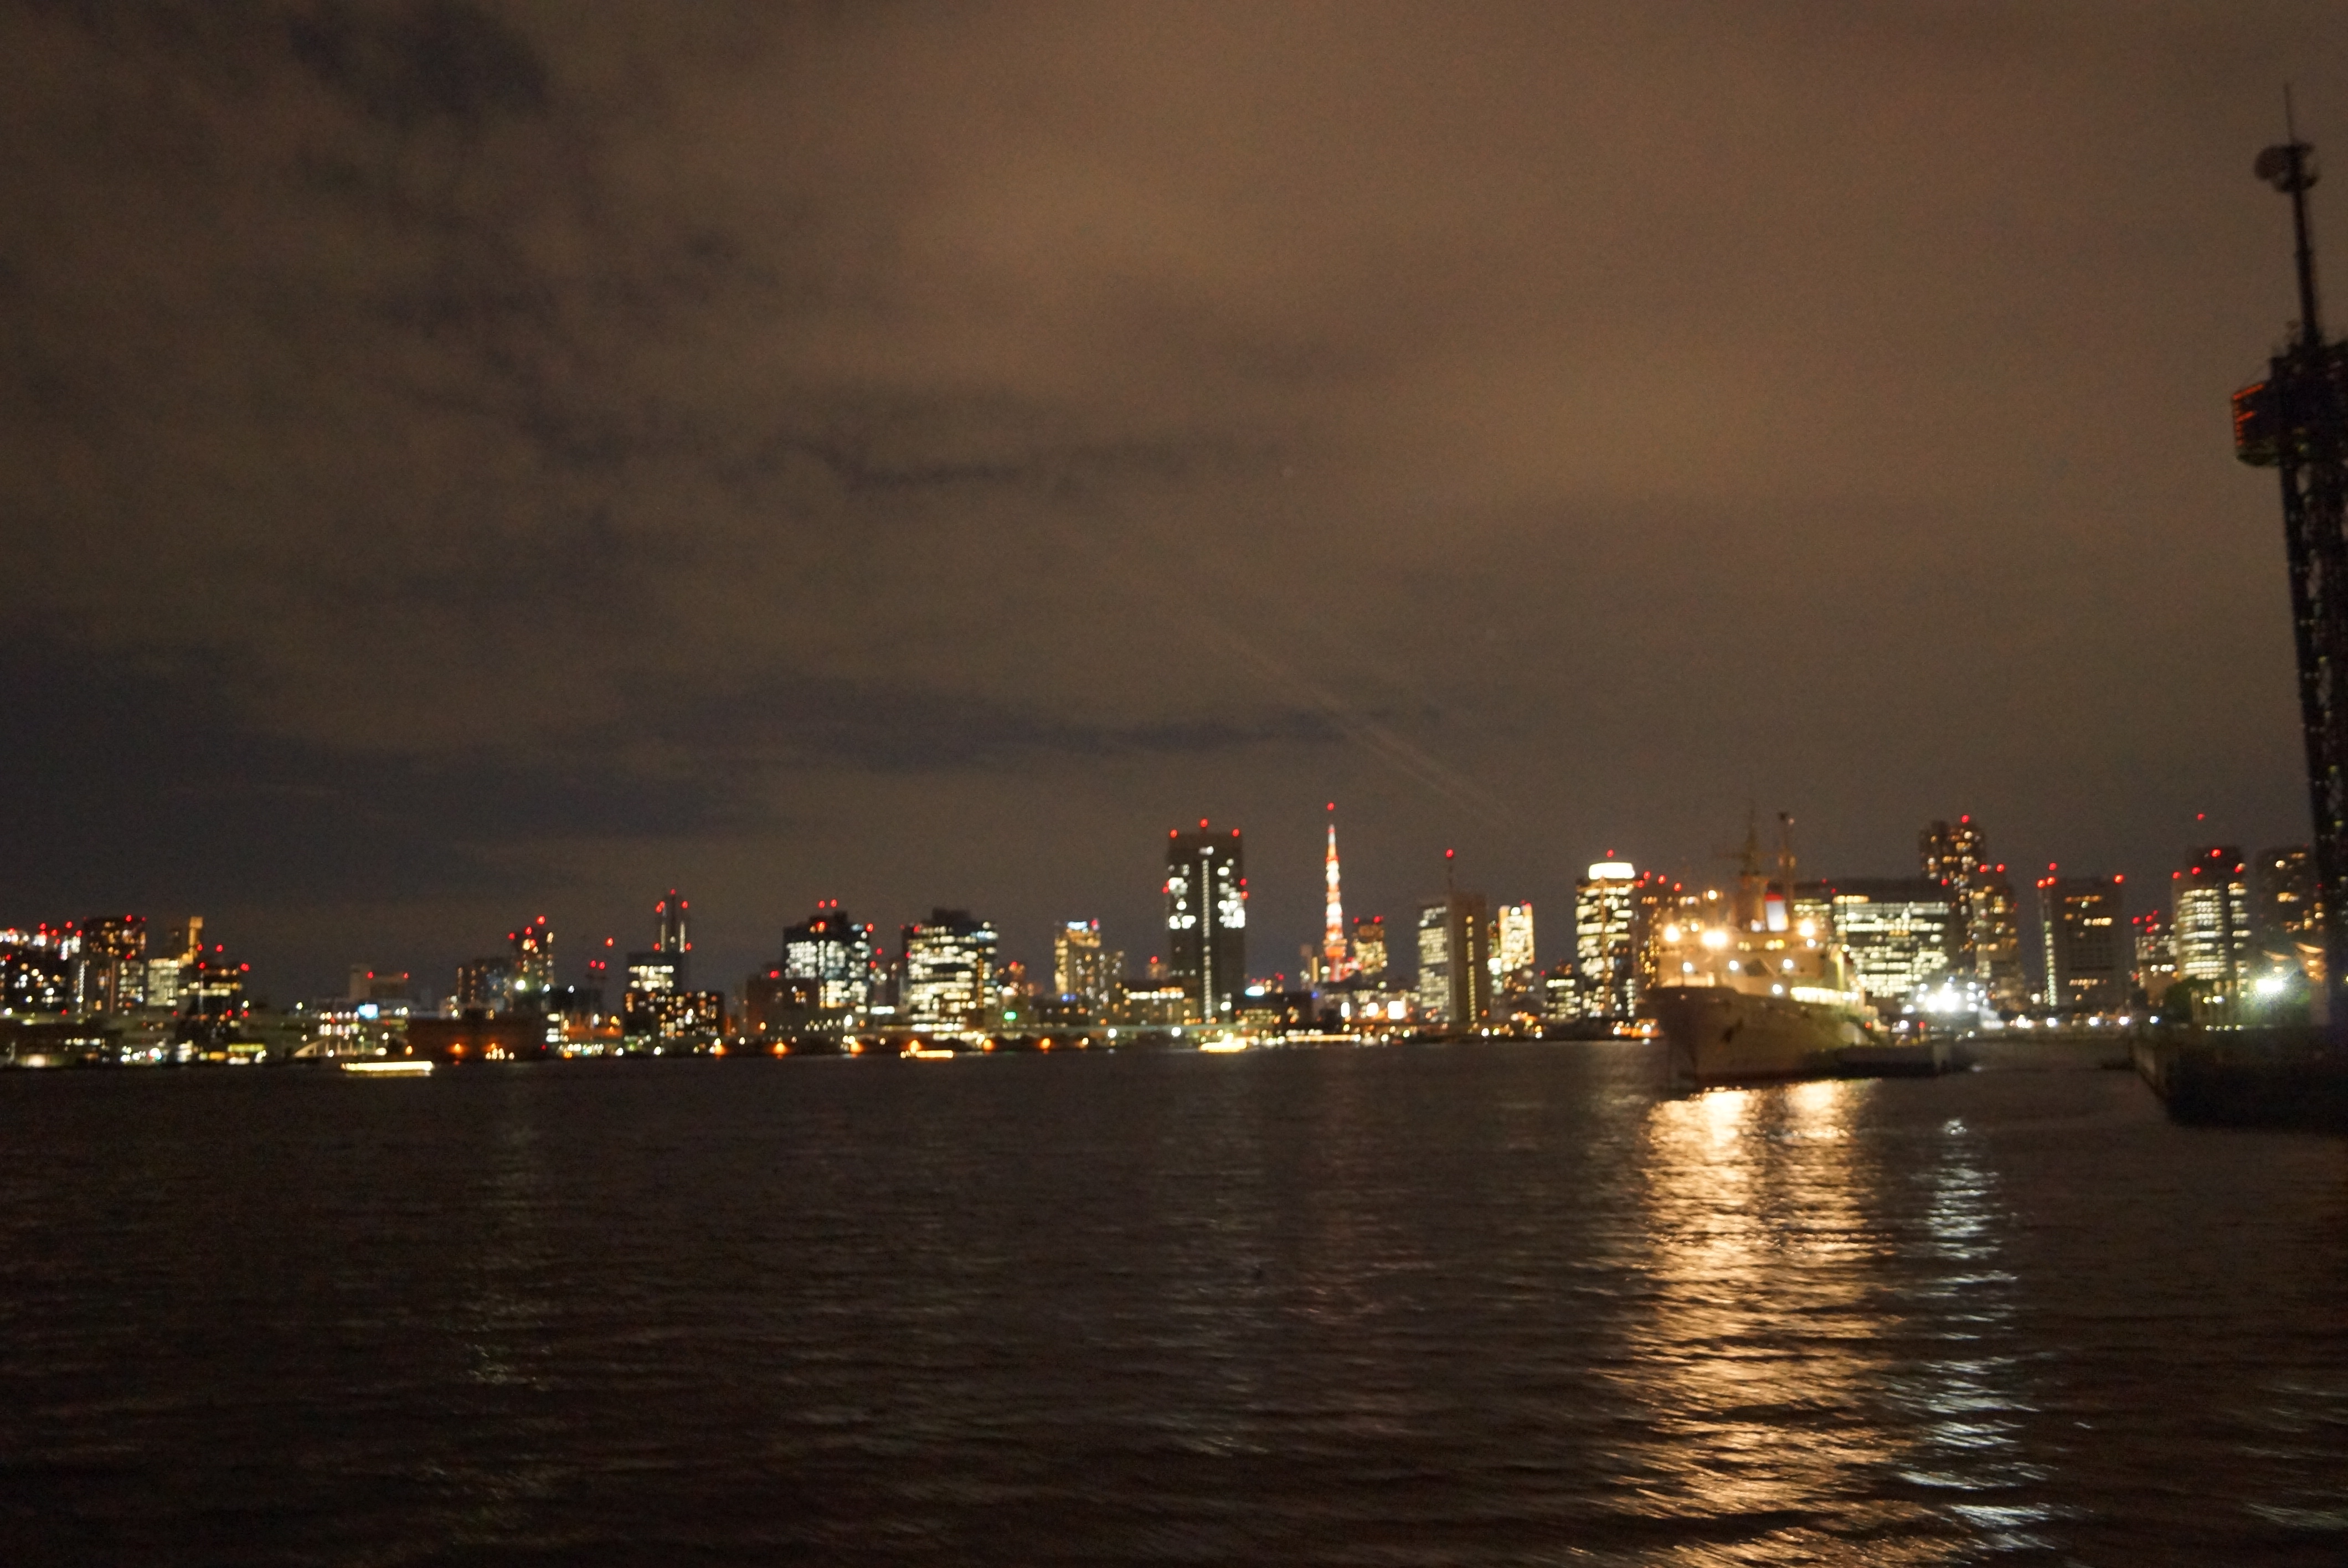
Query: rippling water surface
[(1426, 1305)]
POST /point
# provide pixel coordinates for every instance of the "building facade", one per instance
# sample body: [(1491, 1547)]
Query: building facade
[(1905, 935), (2210, 914), (1605, 940), (2087, 943), (1083, 970), (948, 972), (1455, 970), (837, 955), (1206, 919)]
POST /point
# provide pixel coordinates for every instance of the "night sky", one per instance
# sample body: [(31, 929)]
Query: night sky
[(464, 462)]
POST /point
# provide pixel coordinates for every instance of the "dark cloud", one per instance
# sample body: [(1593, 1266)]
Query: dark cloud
[(494, 453)]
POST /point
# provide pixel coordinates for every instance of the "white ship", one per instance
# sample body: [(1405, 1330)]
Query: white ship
[(1749, 988)]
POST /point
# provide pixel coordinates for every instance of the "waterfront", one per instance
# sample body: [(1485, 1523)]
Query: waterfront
[(1477, 1303)]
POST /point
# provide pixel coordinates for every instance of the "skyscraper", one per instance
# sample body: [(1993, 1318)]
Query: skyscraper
[(1455, 974), (1605, 951), (533, 965), (1370, 946), (1957, 855), (2210, 910), (668, 925), (2282, 891), (1206, 919), (1336, 962), (110, 972), (1905, 937), (666, 966), (1082, 969), (949, 971), (834, 952), (2089, 949), (1512, 944)]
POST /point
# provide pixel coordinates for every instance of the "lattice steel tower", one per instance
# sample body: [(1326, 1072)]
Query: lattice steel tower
[(2292, 421)]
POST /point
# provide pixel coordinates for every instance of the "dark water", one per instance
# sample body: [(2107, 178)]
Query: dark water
[(1487, 1303)]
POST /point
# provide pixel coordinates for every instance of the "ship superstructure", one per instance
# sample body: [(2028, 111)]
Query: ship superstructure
[(1749, 987)]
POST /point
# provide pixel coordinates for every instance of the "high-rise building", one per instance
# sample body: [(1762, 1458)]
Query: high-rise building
[(1905, 937), (2088, 951), (167, 970), (1454, 972), (1206, 919), (485, 985), (110, 969), (533, 966), (2209, 905), (2282, 899), (37, 973), (2156, 954), (1957, 856), (1083, 970), (1336, 961), (668, 925), (1512, 940), (1370, 946), (833, 951), (1605, 946), (949, 971)]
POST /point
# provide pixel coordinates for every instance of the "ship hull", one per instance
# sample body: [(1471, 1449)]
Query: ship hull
[(1714, 1035)]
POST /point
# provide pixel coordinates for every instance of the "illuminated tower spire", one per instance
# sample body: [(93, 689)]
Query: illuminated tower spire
[(1334, 963)]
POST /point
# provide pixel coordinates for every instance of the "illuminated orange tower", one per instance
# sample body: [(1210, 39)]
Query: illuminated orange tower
[(1336, 964)]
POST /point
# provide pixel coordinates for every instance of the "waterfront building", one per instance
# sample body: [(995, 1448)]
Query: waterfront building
[(1512, 941), (948, 972), (1454, 972), (1083, 970), (484, 985), (668, 923), (1370, 946), (1605, 946), (2156, 954), (837, 954), (2210, 912), (111, 965), (2086, 938), (775, 1001), (1206, 919), (2283, 909), (1956, 855), (532, 976), (1905, 935), (37, 973)]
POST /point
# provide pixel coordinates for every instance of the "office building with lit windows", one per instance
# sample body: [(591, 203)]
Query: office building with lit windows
[(948, 972), (1083, 970), (1605, 946), (1455, 969), (1206, 919), (1956, 855), (2210, 914), (1905, 937), (837, 955), (2283, 909), (2087, 943)]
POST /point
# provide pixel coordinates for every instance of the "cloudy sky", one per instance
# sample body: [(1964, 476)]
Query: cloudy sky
[(460, 462)]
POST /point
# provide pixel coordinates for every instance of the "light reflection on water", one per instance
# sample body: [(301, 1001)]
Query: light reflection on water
[(1780, 1359), (1485, 1305)]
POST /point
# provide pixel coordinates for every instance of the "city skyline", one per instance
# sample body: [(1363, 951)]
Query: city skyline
[(2011, 956), (754, 454)]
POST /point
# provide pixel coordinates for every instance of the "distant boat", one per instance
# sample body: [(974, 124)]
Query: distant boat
[(390, 1067)]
